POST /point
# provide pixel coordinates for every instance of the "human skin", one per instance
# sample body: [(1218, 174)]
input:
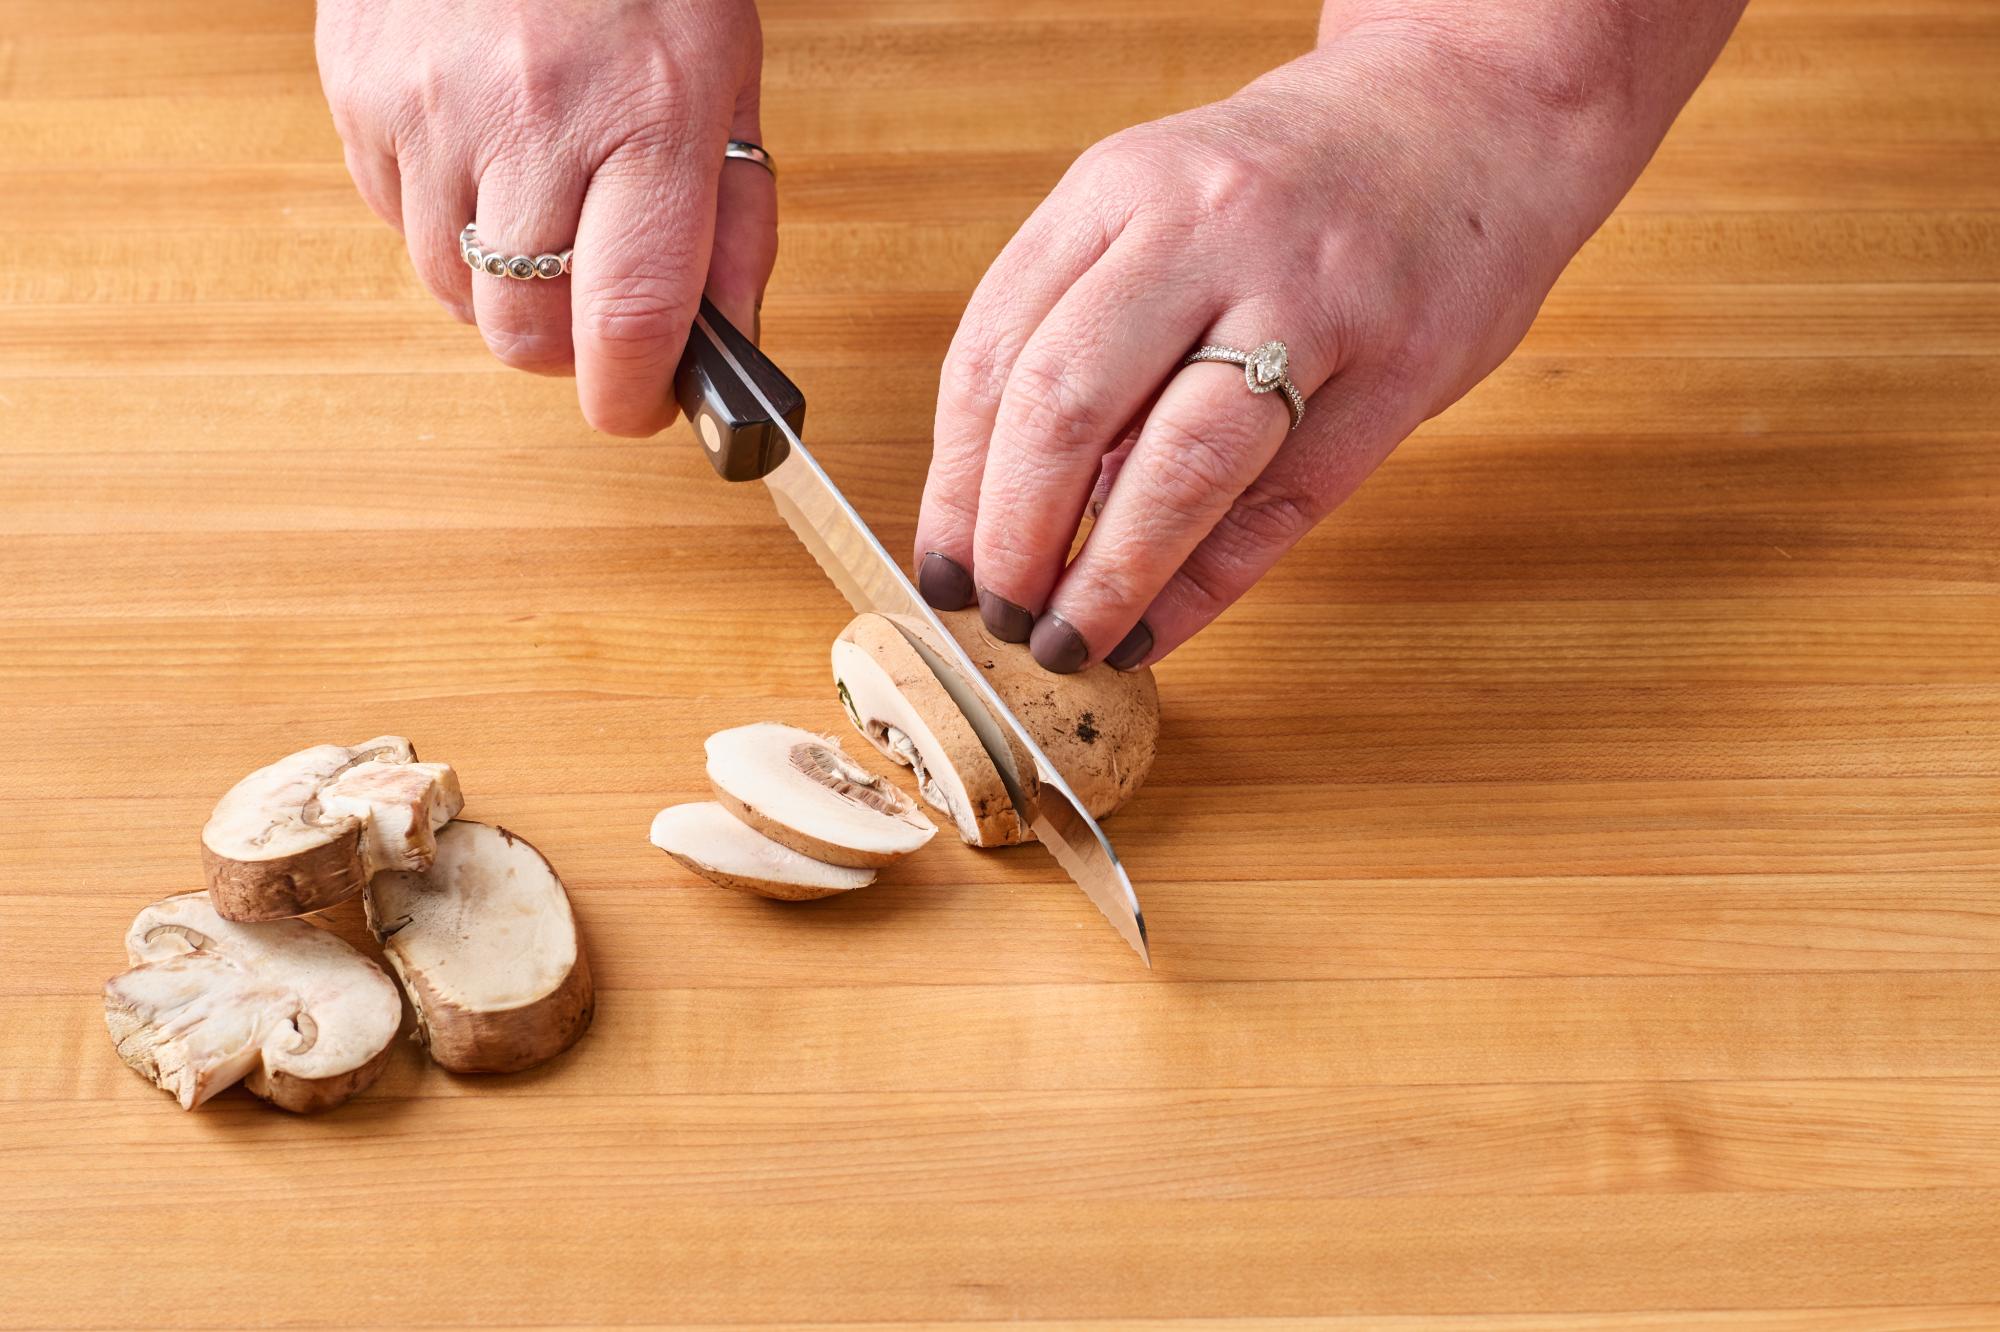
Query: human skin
[(1394, 206), (594, 123)]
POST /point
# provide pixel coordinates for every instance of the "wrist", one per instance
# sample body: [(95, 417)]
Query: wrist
[(1558, 81)]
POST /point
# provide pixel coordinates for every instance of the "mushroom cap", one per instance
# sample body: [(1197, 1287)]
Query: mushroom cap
[(289, 1009), (801, 789), (729, 853), (1100, 727), (487, 947), (306, 832)]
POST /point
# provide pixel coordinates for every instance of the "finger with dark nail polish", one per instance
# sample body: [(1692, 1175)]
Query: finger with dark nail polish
[(944, 582), (1131, 649), (1057, 645), (1009, 623)]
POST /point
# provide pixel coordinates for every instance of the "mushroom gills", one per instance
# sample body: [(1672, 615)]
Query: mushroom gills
[(284, 1007), (801, 790), (486, 945), (897, 703), (729, 853)]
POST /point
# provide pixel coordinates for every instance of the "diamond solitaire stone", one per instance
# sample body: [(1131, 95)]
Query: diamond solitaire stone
[(1264, 369)]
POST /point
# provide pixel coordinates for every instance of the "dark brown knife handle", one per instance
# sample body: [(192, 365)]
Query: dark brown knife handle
[(735, 430)]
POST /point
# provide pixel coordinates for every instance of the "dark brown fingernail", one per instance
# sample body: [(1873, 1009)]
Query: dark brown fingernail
[(1132, 649), (1009, 623), (1058, 646), (944, 582)]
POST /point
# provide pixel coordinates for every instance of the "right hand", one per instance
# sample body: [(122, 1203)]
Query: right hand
[(599, 126)]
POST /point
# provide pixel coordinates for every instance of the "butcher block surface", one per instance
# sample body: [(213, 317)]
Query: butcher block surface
[(1574, 876)]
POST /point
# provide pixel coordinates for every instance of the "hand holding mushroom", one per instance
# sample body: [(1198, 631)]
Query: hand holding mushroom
[(1391, 207)]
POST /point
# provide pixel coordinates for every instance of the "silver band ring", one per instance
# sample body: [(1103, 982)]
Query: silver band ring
[(745, 151), (524, 267), (1265, 370)]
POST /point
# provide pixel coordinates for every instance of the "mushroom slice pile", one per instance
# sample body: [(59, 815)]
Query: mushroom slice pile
[(487, 948), (800, 790), (729, 853), (284, 1007), (1099, 726), (310, 830)]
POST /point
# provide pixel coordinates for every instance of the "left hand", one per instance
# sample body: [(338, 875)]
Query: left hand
[(1382, 206)]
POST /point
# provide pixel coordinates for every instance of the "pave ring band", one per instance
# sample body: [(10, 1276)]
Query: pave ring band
[(1265, 370), (522, 266), (745, 151)]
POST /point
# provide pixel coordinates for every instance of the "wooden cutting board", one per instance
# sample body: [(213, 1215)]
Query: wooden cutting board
[(1575, 876)]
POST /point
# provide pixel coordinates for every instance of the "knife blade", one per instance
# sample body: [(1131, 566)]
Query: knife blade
[(749, 418)]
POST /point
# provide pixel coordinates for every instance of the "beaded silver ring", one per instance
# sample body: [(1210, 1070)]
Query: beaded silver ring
[(521, 267)]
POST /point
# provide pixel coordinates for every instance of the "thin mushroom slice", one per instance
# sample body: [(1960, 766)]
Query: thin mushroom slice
[(308, 831), (288, 1009), (729, 853), (802, 790), (486, 946)]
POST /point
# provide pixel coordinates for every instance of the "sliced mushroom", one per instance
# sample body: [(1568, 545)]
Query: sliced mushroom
[(1099, 727), (803, 791), (728, 852), (310, 830), (893, 698), (284, 1007), (486, 946)]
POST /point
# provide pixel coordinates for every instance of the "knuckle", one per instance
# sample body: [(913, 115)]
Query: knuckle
[(650, 113), (1225, 187), (1109, 586), (973, 374), (528, 349), (632, 320), (1192, 473), (1113, 160), (1206, 588), (1266, 517), (1047, 407), (624, 413)]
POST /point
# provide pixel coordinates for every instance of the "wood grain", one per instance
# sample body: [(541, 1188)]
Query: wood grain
[(1573, 873)]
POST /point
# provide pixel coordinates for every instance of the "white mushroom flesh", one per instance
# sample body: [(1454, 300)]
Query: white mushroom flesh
[(401, 806), (488, 926), (211, 1002), (298, 803), (802, 789), (717, 845)]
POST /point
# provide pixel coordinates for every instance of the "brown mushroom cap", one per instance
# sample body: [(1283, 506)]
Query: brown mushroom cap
[(1100, 727), (486, 946), (308, 831), (286, 1008)]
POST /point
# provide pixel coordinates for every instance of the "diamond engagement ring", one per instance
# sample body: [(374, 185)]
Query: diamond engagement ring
[(1265, 370), (522, 266)]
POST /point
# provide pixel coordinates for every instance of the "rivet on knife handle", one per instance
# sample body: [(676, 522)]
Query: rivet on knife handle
[(734, 427)]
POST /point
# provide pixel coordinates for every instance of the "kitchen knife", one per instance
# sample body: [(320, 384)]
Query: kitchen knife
[(748, 417)]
